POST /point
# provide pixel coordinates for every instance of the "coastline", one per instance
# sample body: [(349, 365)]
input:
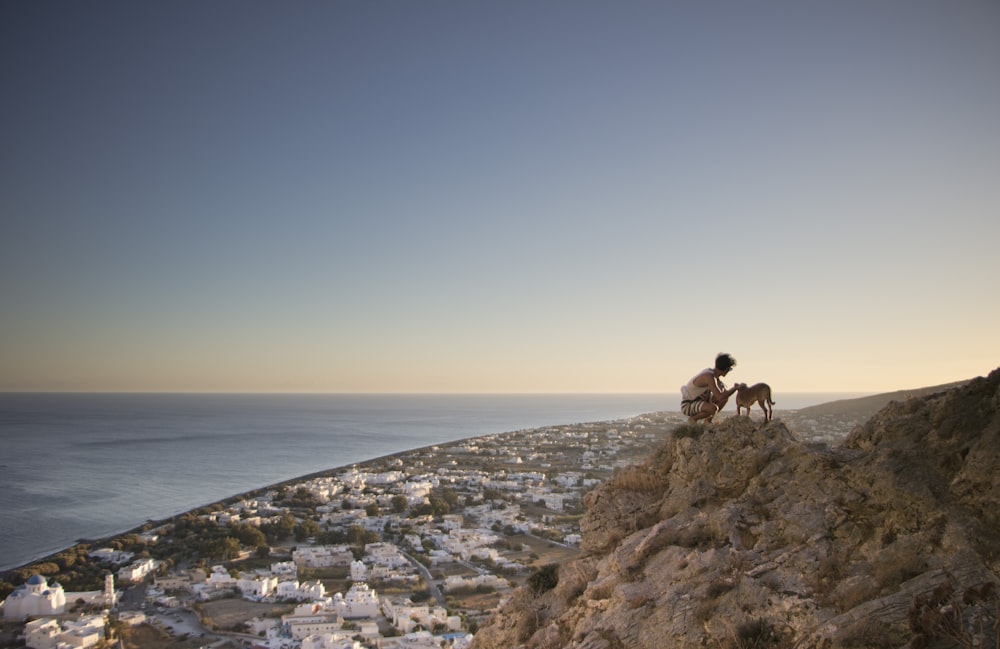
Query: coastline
[(92, 466), (48, 554), (444, 446)]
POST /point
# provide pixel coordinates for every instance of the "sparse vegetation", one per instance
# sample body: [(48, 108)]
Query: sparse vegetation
[(968, 621), (691, 431), (757, 633), (636, 478), (544, 579)]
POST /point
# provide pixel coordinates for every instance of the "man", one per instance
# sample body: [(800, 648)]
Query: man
[(705, 394)]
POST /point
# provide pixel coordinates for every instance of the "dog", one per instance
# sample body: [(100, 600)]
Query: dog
[(759, 393)]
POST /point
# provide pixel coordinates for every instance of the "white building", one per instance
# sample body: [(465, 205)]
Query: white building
[(35, 597), (405, 616), (257, 586), (137, 571), (358, 571), (109, 555), (55, 634), (360, 601), (308, 591), (456, 582), (415, 492), (330, 641), (385, 554), (452, 521), (323, 556), (417, 640), (220, 578), (285, 569), (312, 619)]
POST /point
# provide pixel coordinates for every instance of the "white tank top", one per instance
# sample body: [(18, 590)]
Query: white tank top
[(691, 391)]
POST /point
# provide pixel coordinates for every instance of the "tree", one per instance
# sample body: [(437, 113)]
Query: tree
[(225, 548), (357, 535), (399, 503), (305, 529), (249, 535), (280, 529)]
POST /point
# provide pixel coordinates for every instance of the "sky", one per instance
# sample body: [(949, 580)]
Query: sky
[(519, 196)]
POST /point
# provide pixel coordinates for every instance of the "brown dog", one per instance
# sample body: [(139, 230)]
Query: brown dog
[(759, 393)]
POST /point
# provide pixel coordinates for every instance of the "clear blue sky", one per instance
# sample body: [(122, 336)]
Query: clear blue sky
[(517, 196)]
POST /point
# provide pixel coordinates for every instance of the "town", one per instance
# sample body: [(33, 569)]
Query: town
[(412, 550)]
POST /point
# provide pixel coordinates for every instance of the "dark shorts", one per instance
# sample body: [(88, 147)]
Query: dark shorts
[(692, 407)]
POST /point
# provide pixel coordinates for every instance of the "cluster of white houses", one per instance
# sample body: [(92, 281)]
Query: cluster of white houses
[(51, 633), (370, 499)]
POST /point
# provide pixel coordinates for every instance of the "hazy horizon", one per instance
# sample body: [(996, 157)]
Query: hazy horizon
[(497, 198)]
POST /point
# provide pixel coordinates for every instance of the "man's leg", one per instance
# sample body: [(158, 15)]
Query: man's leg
[(707, 411)]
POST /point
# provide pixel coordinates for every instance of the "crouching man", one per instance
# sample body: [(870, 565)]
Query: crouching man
[(705, 394)]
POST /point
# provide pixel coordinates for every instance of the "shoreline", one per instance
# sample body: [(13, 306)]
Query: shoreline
[(96, 542), (136, 529)]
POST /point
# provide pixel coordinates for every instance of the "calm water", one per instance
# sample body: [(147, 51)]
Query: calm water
[(91, 465)]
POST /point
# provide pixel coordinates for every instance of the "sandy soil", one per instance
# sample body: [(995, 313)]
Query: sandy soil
[(145, 636), (222, 614)]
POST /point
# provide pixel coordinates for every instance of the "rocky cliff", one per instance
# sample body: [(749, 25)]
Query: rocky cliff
[(741, 535)]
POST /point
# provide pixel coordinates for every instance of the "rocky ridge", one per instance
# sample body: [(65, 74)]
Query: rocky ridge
[(741, 535)]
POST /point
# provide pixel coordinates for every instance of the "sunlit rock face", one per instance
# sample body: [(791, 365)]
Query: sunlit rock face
[(739, 534)]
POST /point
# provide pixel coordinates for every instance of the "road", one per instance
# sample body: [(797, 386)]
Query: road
[(431, 586)]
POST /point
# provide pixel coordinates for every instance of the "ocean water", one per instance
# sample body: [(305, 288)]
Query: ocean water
[(76, 466)]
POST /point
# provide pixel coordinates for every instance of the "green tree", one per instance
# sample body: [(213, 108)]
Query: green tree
[(280, 529), (399, 503), (305, 529), (357, 535), (249, 535)]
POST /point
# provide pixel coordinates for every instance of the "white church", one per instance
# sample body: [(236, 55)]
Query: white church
[(38, 598), (35, 597)]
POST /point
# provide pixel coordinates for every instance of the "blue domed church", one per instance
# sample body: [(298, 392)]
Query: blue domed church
[(35, 597)]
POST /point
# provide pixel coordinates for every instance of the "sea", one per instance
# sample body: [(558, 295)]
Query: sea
[(88, 466)]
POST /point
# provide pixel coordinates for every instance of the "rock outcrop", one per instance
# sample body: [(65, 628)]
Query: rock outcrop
[(740, 535)]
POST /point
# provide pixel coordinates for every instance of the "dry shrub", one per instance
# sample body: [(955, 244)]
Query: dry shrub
[(544, 579), (638, 479), (525, 613), (601, 590), (861, 592), (970, 619), (705, 609), (692, 431), (719, 587), (831, 569), (867, 634), (758, 633), (897, 568), (574, 579)]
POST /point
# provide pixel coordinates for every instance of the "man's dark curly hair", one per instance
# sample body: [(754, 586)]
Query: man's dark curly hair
[(724, 362)]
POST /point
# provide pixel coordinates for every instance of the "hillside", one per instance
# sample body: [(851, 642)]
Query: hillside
[(865, 407), (741, 535)]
